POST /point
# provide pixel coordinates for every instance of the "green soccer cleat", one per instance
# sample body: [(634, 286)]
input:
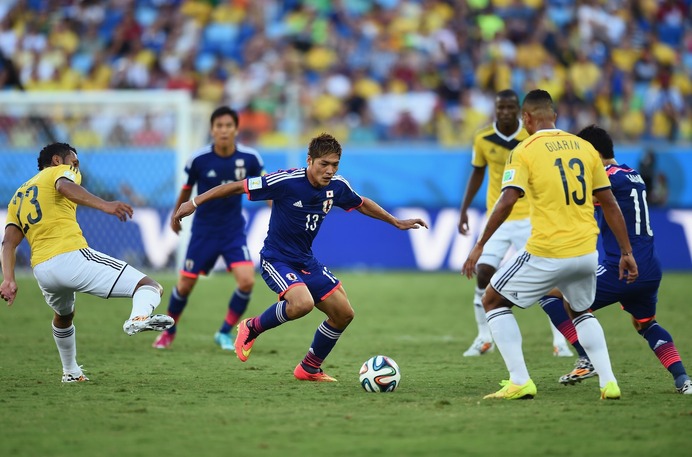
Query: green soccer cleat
[(511, 391), (611, 391)]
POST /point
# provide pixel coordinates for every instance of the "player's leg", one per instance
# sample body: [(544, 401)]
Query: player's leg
[(642, 306), (554, 306), (146, 296), (295, 301), (483, 343), (199, 259), (520, 281), (334, 303), (519, 232), (61, 298), (493, 253), (578, 284), (237, 258)]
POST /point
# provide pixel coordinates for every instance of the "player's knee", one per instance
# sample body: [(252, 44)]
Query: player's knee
[(492, 300), (246, 284), (63, 321), (147, 281), (344, 318), (641, 326), (483, 275), (299, 307)]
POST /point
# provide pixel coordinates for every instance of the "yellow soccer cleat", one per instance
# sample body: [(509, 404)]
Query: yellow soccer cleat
[(611, 391), (511, 391)]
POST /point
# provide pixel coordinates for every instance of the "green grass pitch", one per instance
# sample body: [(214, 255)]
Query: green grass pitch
[(195, 399)]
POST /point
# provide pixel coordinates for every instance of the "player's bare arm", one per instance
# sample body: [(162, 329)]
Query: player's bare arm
[(8, 288), (224, 190), (616, 222), (474, 183), (501, 211), (79, 195), (372, 209), (182, 198)]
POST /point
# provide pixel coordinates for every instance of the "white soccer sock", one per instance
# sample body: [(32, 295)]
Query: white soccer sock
[(481, 321), (144, 301), (507, 336), (592, 339), (558, 338), (67, 348)]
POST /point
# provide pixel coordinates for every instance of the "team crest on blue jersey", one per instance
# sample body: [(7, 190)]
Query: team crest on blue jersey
[(189, 264), (330, 194), (292, 277), (327, 205)]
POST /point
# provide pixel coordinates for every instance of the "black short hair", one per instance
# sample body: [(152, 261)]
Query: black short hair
[(599, 139), (322, 145), (223, 111), (508, 93), (46, 155), (538, 98)]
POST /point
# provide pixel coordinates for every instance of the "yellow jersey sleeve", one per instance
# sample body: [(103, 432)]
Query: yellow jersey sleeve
[(47, 218)]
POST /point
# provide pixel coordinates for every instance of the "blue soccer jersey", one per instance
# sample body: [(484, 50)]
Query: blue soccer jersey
[(298, 209), (630, 192), (206, 169)]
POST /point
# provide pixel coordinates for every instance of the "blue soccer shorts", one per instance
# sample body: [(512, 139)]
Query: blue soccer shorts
[(203, 252), (639, 298), (282, 276)]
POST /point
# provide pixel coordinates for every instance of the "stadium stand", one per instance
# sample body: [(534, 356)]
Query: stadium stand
[(366, 70)]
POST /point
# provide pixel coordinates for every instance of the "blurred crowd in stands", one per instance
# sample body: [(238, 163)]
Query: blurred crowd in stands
[(367, 70)]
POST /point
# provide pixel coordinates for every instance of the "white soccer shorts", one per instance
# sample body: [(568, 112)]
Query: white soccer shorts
[(525, 278), (84, 270), (510, 234)]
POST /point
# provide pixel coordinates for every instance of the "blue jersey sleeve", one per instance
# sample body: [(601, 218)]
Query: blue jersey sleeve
[(268, 187), (347, 198), (192, 173)]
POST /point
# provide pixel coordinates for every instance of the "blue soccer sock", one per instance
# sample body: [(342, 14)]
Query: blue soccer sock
[(325, 339), (236, 307), (176, 305), (554, 307), (272, 317), (662, 344)]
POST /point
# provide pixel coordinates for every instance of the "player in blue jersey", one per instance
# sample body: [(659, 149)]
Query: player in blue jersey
[(218, 229), (302, 198), (638, 298)]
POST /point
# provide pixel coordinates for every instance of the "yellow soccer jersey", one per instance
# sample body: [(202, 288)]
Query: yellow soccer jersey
[(47, 218), (558, 173), (491, 148)]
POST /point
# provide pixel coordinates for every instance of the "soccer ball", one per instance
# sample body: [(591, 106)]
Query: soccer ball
[(380, 374)]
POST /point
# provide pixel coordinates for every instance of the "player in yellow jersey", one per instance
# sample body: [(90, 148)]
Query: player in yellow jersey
[(558, 173), (44, 211), (491, 147)]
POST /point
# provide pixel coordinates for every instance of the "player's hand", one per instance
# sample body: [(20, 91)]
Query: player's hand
[(118, 209), (628, 265), (406, 224), (464, 223), (8, 291), (184, 210), (469, 268), (175, 225)]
